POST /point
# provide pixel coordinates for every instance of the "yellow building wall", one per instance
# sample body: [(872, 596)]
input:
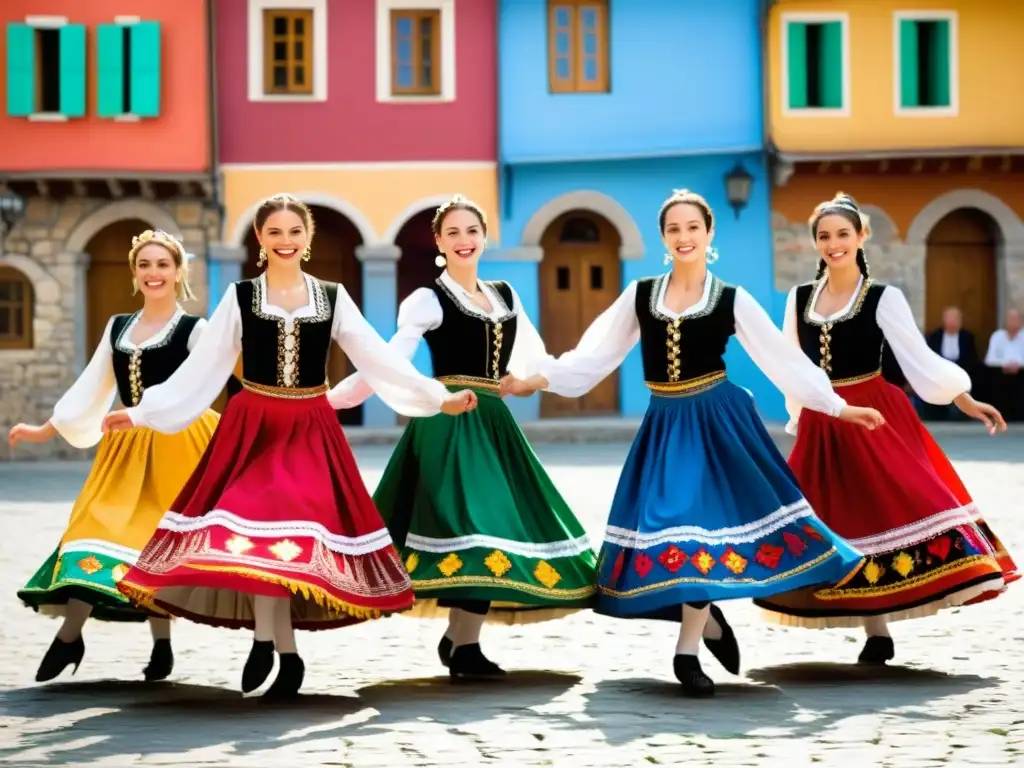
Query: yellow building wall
[(377, 200), (990, 57)]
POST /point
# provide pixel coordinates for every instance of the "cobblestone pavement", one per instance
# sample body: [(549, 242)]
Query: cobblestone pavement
[(376, 696)]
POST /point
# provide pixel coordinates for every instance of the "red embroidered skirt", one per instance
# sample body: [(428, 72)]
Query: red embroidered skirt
[(894, 495), (276, 507)]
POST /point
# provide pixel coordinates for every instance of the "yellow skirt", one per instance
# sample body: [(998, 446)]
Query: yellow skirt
[(134, 480)]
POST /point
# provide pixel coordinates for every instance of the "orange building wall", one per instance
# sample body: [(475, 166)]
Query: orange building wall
[(176, 141), (990, 56)]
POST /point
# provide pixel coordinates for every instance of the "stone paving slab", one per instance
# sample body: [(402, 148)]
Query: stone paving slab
[(585, 691)]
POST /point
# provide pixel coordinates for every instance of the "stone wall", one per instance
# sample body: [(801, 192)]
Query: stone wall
[(47, 246)]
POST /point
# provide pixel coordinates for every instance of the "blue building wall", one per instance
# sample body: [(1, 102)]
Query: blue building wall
[(685, 78)]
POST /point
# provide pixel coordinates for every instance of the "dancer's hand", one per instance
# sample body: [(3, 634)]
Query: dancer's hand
[(117, 420), (983, 412), (510, 385), (29, 433), (868, 418), (459, 402)]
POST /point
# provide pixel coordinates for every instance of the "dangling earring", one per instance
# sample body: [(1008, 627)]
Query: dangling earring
[(668, 258), (135, 286), (440, 260), (263, 257), (306, 254), (710, 255)]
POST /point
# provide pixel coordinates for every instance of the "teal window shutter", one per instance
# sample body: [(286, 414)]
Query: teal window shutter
[(938, 66), (145, 69), (110, 70), (797, 65), (909, 91), (21, 70), (831, 65), (72, 70)]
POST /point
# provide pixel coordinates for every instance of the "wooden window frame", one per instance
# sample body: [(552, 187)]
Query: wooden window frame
[(269, 63), (25, 341), (785, 20), (576, 82), (416, 15), (952, 18)]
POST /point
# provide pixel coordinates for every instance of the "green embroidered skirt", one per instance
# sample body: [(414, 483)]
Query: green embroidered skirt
[(475, 517)]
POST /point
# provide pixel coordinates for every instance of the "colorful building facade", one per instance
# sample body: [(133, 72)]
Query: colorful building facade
[(374, 130), (601, 117), (895, 102), (106, 126)]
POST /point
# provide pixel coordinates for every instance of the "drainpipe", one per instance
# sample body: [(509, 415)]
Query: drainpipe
[(215, 180)]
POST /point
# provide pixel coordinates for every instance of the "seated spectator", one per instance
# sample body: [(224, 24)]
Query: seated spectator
[(1004, 363), (957, 345)]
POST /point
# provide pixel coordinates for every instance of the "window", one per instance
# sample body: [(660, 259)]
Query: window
[(15, 310), (578, 46), (816, 64), (415, 53), (46, 69), (415, 50), (128, 69), (925, 52), (287, 51)]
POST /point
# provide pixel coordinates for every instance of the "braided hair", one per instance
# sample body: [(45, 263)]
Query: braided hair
[(841, 205)]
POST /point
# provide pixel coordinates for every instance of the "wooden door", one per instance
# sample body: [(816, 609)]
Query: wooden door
[(580, 277), (109, 279), (960, 270)]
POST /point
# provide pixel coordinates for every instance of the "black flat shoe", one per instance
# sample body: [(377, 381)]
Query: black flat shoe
[(877, 651), (290, 674), (57, 658), (258, 665), (469, 663), (688, 672), (444, 651), (725, 648), (161, 662)]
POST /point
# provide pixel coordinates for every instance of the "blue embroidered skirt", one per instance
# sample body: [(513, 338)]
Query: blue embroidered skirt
[(707, 509)]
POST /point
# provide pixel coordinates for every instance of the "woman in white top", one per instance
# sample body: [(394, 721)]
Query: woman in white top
[(891, 492)]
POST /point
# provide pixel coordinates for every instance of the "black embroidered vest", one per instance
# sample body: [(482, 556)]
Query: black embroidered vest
[(135, 370), (850, 346), (276, 356), (689, 347), (468, 344)]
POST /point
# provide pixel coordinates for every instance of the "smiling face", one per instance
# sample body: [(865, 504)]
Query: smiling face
[(685, 233), (837, 241), (461, 238), (284, 236), (156, 272)]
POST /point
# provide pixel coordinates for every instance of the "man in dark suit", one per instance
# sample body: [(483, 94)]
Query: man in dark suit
[(956, 345)]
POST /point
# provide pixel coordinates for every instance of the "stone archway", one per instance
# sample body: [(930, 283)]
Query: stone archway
[(632, 241), (367, 234), (153, 216)]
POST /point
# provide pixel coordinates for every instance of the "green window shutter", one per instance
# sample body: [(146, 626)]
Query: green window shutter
[(72, 70), (145, 69), (938, 67), (797, 65), (110, 70), (831, 65), (21, 70), (909, 92)]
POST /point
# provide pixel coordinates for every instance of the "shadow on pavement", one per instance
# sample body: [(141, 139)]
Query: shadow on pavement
[(108, 719), (793, 701)]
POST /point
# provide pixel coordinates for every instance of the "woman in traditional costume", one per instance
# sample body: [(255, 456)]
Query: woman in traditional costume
[(892, 492), (706, 508), (136, 474), (275, 530), (483, 531)]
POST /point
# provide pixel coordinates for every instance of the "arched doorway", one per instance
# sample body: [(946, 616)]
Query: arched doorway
[(960, 270), (580, 276), (416, 267), (334, 260), (108, 282)]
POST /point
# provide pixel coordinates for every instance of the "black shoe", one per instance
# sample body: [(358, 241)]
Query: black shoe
[(161, 661), (725, 648), (58, 656), (877, 651), (258, 665), (290, 674), (469, 663), (688, 672), (444, 650)]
